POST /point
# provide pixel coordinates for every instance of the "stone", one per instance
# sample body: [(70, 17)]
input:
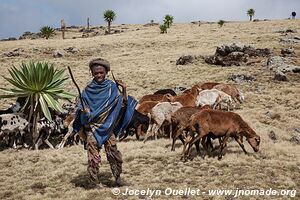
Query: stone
[(280, 76), (58, 54), (184, 60)]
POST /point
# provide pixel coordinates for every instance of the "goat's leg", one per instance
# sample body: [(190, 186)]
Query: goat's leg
[(48, 143), (148, 133), (177, 134), (138, 132), (66, 137), (222, 147), (240, 141)]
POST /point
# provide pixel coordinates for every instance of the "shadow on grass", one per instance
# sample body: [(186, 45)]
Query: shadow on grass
[(82, 180)]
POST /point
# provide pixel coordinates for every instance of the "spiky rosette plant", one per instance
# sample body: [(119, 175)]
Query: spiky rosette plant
[(168, 21), (47, 32), (221, 23), (42, 84), (163, 28)]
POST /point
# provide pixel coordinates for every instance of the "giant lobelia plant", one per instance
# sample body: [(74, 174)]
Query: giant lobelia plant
[(42, 85)]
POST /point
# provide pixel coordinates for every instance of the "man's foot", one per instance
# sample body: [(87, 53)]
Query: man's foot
[(94, 185), (118, 181)]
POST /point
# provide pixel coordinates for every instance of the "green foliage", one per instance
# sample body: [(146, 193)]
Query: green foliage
[(47, 32), (168, 21), (251, 13), (109, 16), (41, 84), (163, 28), (221, 23)]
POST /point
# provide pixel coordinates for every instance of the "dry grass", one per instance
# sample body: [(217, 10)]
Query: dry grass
[(145, 60)]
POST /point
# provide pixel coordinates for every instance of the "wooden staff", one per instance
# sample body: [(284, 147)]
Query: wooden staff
[(72, 77)]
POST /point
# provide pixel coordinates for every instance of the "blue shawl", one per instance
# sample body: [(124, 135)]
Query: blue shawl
[(105, 103)]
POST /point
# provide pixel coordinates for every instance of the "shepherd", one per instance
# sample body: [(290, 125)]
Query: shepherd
[(105, 113)]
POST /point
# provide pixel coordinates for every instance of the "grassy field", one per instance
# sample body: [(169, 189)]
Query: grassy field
[(145, 60)]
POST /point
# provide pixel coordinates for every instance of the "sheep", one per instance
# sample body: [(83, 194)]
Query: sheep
[(218, 124), (45, 129), (13, 124), (213, 98), (160, 113)]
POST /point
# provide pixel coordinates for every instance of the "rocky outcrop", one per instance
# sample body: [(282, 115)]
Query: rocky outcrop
[(235, 54)]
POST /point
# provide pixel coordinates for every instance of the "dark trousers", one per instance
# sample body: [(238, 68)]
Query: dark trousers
[(113, 155)]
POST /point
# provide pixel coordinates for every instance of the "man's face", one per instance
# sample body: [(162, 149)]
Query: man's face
[(98, 73)]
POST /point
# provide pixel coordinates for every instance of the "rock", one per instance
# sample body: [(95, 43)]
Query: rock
[(277, 63), (288, 51), (272, 115), (71, 50), (295, 139), (235, 54), (9, 39), (58, 54), (297, 130), (151, 24), (280, 76), (184, 60), (272, 136), (287, 30), (289, 40), (29, 35), (11, 54), (240, 78)]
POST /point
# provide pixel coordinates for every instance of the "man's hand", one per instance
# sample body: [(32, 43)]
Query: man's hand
[(121, 83), (87, 110)]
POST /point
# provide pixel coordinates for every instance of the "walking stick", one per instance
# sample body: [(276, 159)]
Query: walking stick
[(115, 81), (72, 77)]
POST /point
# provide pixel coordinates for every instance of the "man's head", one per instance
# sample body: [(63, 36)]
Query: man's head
[(99, 68)]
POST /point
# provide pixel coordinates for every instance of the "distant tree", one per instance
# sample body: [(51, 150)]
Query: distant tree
[(168, 21), (221, 23), (163, 28), (47, 32), (63, 28), (250, 13), (293, 15), (109, 16), (88, 23), (152, 21)]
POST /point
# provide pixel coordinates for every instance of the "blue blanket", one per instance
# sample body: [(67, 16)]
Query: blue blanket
[(105, 103)]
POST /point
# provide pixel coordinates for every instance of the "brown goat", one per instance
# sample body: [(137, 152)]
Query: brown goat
[(180, 122), (207, 85), (231, 90), (217, 124), (144, 108), (153, 97), (186, 99)]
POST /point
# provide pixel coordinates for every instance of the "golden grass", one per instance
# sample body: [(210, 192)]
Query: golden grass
[(145, 60)]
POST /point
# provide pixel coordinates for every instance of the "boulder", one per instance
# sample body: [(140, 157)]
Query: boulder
[(184, 60), (58, 54)]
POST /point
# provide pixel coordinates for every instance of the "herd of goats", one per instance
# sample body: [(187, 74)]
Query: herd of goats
[(199, 114)]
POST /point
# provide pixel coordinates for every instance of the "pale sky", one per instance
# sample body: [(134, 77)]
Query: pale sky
[(18, 16)]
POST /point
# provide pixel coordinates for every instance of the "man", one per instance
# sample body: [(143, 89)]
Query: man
[(105, 114)]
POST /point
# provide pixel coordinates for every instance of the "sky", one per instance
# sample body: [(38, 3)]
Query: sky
[(18, 16)]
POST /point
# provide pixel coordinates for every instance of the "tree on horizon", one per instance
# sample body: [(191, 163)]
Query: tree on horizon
[(109, 16), (251, 13), (168, 21)]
